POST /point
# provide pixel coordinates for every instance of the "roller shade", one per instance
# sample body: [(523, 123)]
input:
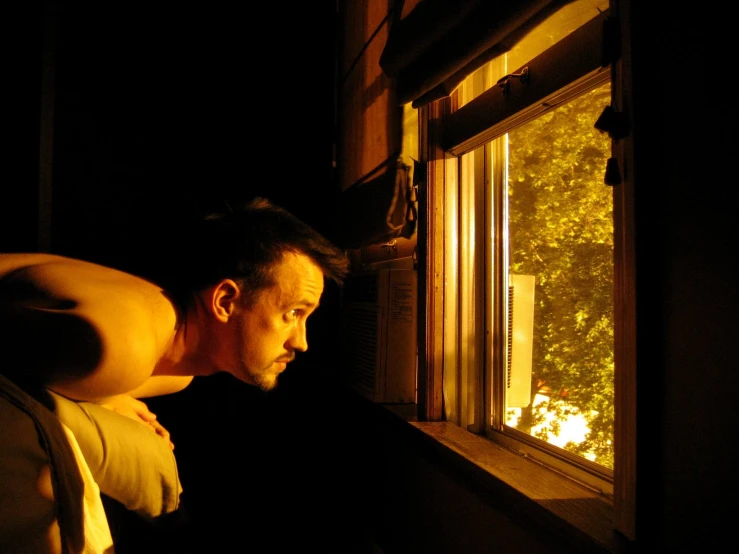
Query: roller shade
[(435, 46)]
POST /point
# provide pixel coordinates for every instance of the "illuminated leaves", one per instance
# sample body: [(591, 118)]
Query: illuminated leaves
[(561, 231)]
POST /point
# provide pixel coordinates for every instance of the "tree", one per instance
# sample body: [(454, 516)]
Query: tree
[(561, 231)]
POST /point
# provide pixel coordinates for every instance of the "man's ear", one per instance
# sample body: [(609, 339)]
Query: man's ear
[(223, 299)]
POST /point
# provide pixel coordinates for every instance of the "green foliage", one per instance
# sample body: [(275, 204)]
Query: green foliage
[(561, 231)]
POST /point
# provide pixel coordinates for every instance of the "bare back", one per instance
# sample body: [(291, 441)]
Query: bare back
[(84, 330)]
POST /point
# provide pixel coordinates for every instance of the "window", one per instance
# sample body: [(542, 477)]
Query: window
[(529, 295), (557, 316)]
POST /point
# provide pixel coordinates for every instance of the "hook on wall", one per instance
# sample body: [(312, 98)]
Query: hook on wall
[(504, 82)]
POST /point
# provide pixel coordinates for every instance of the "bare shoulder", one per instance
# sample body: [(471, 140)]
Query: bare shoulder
[(50, 269), (14, 261), (115, 326), (49, 281)]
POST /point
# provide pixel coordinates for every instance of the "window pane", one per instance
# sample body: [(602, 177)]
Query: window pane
[(560, 250)]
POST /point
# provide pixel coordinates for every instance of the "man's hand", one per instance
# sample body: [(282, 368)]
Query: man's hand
[(129, 406)]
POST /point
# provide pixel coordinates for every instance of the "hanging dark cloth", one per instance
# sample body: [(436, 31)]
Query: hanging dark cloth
[(35, 433), (379, 209)]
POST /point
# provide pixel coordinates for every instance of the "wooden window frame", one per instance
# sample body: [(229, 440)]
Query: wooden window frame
[(446, 133)]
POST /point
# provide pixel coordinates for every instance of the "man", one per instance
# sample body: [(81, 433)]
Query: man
[(239, 304)]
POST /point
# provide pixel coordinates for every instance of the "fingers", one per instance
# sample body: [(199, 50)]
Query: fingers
[(142, 410), (147, 416), (130, 407), (161, 431), (137, 410)]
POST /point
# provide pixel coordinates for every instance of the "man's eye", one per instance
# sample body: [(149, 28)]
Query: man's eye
[(292, 314)]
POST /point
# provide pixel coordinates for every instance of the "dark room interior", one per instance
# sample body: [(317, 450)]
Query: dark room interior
[(129, 120)]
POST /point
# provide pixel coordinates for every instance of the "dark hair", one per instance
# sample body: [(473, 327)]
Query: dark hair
[(246, 243)]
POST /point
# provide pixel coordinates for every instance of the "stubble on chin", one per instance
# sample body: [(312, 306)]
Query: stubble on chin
[(265, 382)]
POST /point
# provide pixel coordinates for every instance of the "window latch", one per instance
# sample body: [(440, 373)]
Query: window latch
[(504, 82), (391, 245)]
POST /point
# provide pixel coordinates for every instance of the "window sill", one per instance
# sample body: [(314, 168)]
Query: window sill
[(527, 491)]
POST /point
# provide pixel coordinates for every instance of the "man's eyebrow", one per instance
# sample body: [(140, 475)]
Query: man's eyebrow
[(303, 303), (309, 303)]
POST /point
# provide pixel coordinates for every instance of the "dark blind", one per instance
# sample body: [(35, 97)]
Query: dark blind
[(435, 46)]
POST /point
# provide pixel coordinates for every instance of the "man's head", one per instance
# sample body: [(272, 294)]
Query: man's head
[(247, 243), (259, 274)]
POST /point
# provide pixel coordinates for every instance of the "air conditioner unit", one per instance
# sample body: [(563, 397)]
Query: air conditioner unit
[(379, 320), (520, 339)]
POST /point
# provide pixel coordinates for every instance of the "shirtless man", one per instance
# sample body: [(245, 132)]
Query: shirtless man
[(97, 334)]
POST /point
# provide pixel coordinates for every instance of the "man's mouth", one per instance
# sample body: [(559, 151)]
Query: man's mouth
[(286, 359)]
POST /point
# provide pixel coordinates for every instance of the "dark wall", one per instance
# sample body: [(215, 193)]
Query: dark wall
[(20, 130), (162, 113), (687, 236)]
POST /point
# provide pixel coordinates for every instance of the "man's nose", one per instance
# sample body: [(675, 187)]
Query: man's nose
[(299, 340)]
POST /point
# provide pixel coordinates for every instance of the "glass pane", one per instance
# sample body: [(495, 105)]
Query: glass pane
[(560, 251)]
